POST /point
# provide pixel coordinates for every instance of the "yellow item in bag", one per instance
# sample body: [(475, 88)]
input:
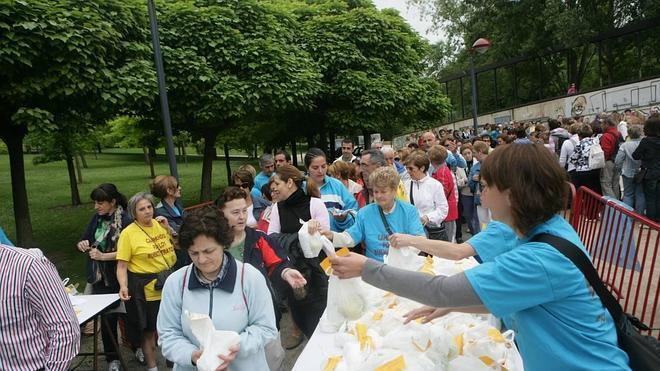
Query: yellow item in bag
[(397, 364), (495, 335), (332, 363), (377, 316), (325, 264), (428, 266), (458, 339), (487, 360), (420, 349), (363, 339)]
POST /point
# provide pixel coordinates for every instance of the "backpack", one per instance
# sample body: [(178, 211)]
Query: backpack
[(596, 156)]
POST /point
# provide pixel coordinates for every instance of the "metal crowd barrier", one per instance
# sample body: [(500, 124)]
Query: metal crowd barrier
[(623, 246)]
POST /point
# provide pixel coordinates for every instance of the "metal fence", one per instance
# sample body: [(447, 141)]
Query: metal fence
[(623, 246)]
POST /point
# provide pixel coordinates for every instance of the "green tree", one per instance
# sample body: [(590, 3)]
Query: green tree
[(230, 62), (373, 67), (63, 57)]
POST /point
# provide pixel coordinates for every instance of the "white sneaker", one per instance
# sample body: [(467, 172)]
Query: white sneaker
[(114, 365), (139, 355)]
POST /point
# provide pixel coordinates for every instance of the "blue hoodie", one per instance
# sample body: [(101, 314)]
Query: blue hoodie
[(335, 195)]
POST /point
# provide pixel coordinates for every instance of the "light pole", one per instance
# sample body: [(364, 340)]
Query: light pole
[(162, 90), (480, 46)]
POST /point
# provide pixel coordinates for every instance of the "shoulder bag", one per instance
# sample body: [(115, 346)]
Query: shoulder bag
[(161, 276), (643, 351), (433, 232)]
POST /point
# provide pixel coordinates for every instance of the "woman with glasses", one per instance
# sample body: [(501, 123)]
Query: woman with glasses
[(256, 205)]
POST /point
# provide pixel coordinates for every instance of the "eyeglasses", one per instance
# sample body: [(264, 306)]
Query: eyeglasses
[(243, 185)]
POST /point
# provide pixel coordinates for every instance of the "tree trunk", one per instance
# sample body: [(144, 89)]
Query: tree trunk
[(323, 138), (367, 139), (13, 138), (185, 154), (75, 195), (207, 164), (78, 170), (228, 164), (84, 161), (145, 151), (294, 152), (332, 154), (152, 157)]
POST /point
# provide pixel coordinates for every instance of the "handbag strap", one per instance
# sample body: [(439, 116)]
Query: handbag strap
[(387, 225), (155, 245), (412, 199), (579, 258)]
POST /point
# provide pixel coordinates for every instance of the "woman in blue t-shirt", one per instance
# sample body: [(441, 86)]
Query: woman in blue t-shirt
[(534, 288)]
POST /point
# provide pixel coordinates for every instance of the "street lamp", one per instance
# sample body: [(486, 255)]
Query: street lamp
[(164, 105), (480, 46)]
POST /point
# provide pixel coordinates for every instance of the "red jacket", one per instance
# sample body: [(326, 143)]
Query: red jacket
[(608, 142), (444, 175)]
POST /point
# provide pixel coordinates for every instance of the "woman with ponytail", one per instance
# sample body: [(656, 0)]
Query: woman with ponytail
[(295, 204)]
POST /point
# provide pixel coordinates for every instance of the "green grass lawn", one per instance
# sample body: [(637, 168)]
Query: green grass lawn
[(57, 225)]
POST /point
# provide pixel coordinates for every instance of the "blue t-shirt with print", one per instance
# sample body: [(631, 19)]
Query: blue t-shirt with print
[(494, 240), (259, 182), (544, 298), (369, 227)]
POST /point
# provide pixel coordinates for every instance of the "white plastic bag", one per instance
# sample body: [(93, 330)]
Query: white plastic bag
[(213, 342), (596, 156), (311, 245), (345, 302), (404, 257)]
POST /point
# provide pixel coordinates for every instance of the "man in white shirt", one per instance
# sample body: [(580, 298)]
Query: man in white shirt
[(346, 151)]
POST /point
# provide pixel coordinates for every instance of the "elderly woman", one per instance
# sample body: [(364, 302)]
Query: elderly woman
[(263, 252), (99, 241), (295, 204), (382, 218), (234, 295), (427, 194), (145, 254), (539, 293)]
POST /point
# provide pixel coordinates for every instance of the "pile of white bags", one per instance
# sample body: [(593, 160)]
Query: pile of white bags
[(369, 330)]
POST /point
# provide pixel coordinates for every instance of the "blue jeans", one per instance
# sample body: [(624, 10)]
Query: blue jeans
[(652, 193), (633, 194)]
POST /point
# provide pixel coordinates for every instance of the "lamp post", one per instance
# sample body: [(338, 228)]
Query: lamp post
[(162, 90), (480, 46)]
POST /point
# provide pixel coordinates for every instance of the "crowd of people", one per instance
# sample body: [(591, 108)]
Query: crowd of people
[(240, 261)]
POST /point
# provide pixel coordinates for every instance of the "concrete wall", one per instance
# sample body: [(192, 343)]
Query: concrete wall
[(639, 96)]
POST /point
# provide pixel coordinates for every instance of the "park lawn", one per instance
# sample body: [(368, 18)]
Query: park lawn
[(57, 225)]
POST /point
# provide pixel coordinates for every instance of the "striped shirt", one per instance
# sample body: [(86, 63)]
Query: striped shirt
[(38, 326)]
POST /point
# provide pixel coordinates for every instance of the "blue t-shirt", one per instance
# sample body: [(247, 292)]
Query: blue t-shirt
[(496, 239), (540, 294), (4, 240), (336, 196), (259, 182), (369, 227)]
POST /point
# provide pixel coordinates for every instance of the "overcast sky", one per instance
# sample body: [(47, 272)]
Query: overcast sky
[(411, 15)]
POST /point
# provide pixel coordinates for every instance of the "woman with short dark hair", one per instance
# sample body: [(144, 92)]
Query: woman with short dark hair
[(538, 293), (234, 295)]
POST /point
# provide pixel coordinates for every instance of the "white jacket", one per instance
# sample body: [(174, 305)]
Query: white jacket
[(428, 196)]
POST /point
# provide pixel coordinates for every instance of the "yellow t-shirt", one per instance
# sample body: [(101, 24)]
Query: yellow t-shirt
[(138, 249)]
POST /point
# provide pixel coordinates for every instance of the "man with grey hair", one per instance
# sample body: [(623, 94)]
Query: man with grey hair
[(370, 160), (609, 142), (267, 165), (390, 156), (377, 144)]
